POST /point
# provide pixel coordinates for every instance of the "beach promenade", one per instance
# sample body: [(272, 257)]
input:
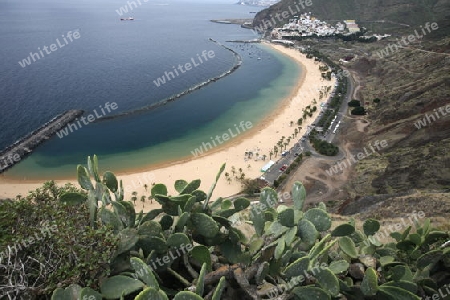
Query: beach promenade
[(260, 138)]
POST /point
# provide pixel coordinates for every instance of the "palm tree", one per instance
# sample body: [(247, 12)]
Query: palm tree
[(233, 170), (249, 166), (295, 132), (270, 154), (134, 198), (285, 144), (227, 175), (143, 201), (150, 198), (229, 180), (275, 149), (240, 170), (145, 187), (292, 123), (264, 157)]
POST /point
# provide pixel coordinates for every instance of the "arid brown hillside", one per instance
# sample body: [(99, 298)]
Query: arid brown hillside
[(413, 84), (395, 14)]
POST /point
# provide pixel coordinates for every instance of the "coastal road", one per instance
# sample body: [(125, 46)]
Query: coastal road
[(330, 136), (303, 145)]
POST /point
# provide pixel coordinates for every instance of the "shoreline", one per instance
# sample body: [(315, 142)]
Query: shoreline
[(263, 136)]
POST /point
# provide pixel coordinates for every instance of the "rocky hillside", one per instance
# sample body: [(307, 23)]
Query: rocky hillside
[(394, 14), (413, 114)]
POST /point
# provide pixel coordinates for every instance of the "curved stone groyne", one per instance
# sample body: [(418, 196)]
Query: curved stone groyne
[(236, 65), (24, 146)]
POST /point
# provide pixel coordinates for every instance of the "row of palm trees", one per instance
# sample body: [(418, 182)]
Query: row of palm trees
[(238, 177), (143, 198), (308, 112), (282, 144)]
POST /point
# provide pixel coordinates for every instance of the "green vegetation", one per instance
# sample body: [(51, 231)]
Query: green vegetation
[(188, 248), (354, 103), (51, 244), (322, 146), (359, 110)]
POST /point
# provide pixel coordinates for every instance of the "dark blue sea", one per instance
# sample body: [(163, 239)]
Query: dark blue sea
[(117, 61)]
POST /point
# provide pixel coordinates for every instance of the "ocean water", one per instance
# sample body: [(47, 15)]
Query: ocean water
[(117, 61)]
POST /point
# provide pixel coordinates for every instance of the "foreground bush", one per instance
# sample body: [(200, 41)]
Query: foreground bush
[(45, 243)]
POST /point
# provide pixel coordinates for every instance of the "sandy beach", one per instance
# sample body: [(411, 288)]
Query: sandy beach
[(260, 138)]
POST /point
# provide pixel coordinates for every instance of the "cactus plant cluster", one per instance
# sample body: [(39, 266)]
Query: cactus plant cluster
[(294, 254), (310, 260), (174, 243)]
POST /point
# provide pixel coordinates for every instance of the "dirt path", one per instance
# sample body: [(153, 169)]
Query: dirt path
[(320, 185)]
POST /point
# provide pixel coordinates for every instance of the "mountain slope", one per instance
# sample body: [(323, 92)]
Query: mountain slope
[(413, 85), (397, 14)]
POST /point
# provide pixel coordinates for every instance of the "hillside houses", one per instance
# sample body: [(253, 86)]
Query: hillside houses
[(305, 25)]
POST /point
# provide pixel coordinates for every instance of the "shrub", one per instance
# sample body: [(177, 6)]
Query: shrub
[(354, 103), (54, 243), (250, 186), (358, 111)]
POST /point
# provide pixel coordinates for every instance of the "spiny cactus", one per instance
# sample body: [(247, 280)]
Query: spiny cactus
[(191, 243)]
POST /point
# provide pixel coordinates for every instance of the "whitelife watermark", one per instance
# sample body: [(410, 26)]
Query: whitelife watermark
[(194, 62), (8, 161), (220, 139), (124, 9), (18, 246), (179, 252), (75, 35), (276, 291), (259, 207), (266, 24), (412, 219), (441, 293), (403, 40), (429, 118), (74, 126), (140, 181), (340, 166)]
